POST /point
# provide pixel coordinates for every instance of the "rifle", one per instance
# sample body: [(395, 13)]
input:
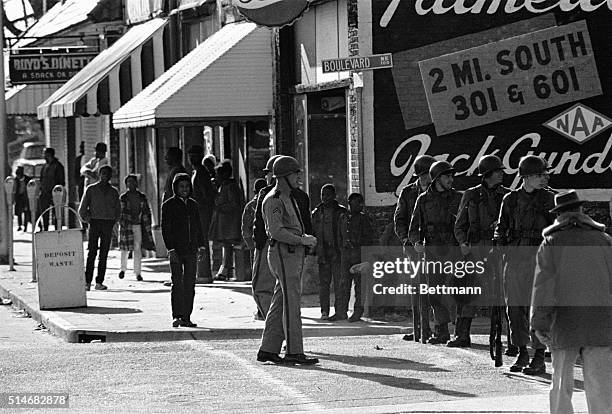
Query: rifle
[(497, 313)]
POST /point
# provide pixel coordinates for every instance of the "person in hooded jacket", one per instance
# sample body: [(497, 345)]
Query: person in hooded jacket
[(182, 233)]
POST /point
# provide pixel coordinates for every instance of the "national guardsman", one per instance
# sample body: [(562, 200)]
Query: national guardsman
[(525, 212), (286, 256), (401, 220), (474, 228), (431, 232)]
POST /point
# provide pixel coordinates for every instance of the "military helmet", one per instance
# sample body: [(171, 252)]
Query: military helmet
[(422, 164), (531, 164), (285, 165), (270, 163), (489, 163), (439, 168)]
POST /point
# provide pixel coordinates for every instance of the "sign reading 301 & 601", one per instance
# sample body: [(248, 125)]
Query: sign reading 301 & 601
[(512, 77)]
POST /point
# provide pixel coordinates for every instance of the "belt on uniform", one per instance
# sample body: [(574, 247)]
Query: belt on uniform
[(291, 248)]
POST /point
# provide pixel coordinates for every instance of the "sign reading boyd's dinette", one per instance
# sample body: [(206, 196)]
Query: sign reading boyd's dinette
[(47, 67), (492, 77), (271, 13)]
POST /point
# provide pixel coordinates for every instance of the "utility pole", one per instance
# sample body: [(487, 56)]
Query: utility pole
[(5, 214)]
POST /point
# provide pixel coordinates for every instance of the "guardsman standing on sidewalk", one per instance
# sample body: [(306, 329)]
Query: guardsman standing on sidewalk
[(286, 256), (474, 228), (525, 212), (401, 220), (432, 228)]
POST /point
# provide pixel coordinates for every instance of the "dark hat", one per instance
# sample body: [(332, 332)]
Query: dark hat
[(100, 146), (565, 201), (196, 149)]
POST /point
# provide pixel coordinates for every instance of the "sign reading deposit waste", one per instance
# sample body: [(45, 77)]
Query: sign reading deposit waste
[(359, 63)]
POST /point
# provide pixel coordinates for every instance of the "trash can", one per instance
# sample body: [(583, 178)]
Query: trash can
[(59, 268)]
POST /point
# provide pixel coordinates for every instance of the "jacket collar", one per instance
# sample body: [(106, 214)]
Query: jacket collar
[(573, 218)]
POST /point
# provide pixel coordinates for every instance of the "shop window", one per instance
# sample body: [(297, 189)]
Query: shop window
[(258, 151)]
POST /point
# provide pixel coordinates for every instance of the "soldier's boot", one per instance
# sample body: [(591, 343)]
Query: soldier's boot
[(512, 350), (521, 361), (462, 334), (441, 334), (537, 366)]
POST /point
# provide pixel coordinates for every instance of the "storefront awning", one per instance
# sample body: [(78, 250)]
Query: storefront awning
[(229, 75), (80, 95), (24, 99)]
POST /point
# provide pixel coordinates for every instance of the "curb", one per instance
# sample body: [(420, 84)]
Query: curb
[(61, 328)]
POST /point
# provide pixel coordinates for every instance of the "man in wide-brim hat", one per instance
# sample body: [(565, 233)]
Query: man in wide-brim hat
[(572, 306)]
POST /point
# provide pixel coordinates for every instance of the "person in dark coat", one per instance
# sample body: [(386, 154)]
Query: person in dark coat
[(524, 213), (204, 193), (572, 306), (174, 160), (180, 222), (51, 175), (20, 197), (326, 217), (225, 224), (354, 232)]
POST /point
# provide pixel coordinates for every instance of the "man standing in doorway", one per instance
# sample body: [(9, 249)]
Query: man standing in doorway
[(91, 169)]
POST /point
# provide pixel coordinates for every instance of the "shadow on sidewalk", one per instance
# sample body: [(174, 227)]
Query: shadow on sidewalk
[(100, 310), (394, 381), (382, 362)]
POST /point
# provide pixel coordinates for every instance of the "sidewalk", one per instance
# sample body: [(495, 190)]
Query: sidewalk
[(140, 311)]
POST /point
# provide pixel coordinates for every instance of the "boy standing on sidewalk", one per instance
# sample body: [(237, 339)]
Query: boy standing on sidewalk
[(355, 232), (182, 233), (325, 219)]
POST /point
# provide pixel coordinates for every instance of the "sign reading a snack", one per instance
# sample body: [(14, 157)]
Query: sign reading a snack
[(47, 67), (511, 77)]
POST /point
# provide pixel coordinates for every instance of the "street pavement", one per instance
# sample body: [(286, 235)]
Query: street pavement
[(369, 374), (135, 362)]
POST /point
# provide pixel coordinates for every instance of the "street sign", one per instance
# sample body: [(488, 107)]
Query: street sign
[(359, 63)]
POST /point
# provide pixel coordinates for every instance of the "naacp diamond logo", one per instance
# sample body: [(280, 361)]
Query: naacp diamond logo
[(579, 123)]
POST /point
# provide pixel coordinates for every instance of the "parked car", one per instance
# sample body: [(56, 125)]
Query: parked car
[(31, 158)]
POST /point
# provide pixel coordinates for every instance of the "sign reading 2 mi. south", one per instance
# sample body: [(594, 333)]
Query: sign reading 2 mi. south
[(358, 63)]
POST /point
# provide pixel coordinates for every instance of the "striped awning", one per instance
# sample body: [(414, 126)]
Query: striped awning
[(229, 75), (112, 78), (24, 99)]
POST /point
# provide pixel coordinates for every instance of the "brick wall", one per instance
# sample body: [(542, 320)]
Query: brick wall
[(354, 104)]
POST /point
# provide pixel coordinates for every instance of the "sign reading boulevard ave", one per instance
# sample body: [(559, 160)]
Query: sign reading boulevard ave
[(47, 67), (382, 61)]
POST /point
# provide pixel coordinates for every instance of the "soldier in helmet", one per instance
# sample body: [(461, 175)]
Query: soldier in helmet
[(401, 220), (262, 280), (525, 212), (474, 228), (432, 226), (286, 254)]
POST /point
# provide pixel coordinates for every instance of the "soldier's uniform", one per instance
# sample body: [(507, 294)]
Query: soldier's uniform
[(475, 226), (522, 218), (433, 220), (286, 255), (401, 220)]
